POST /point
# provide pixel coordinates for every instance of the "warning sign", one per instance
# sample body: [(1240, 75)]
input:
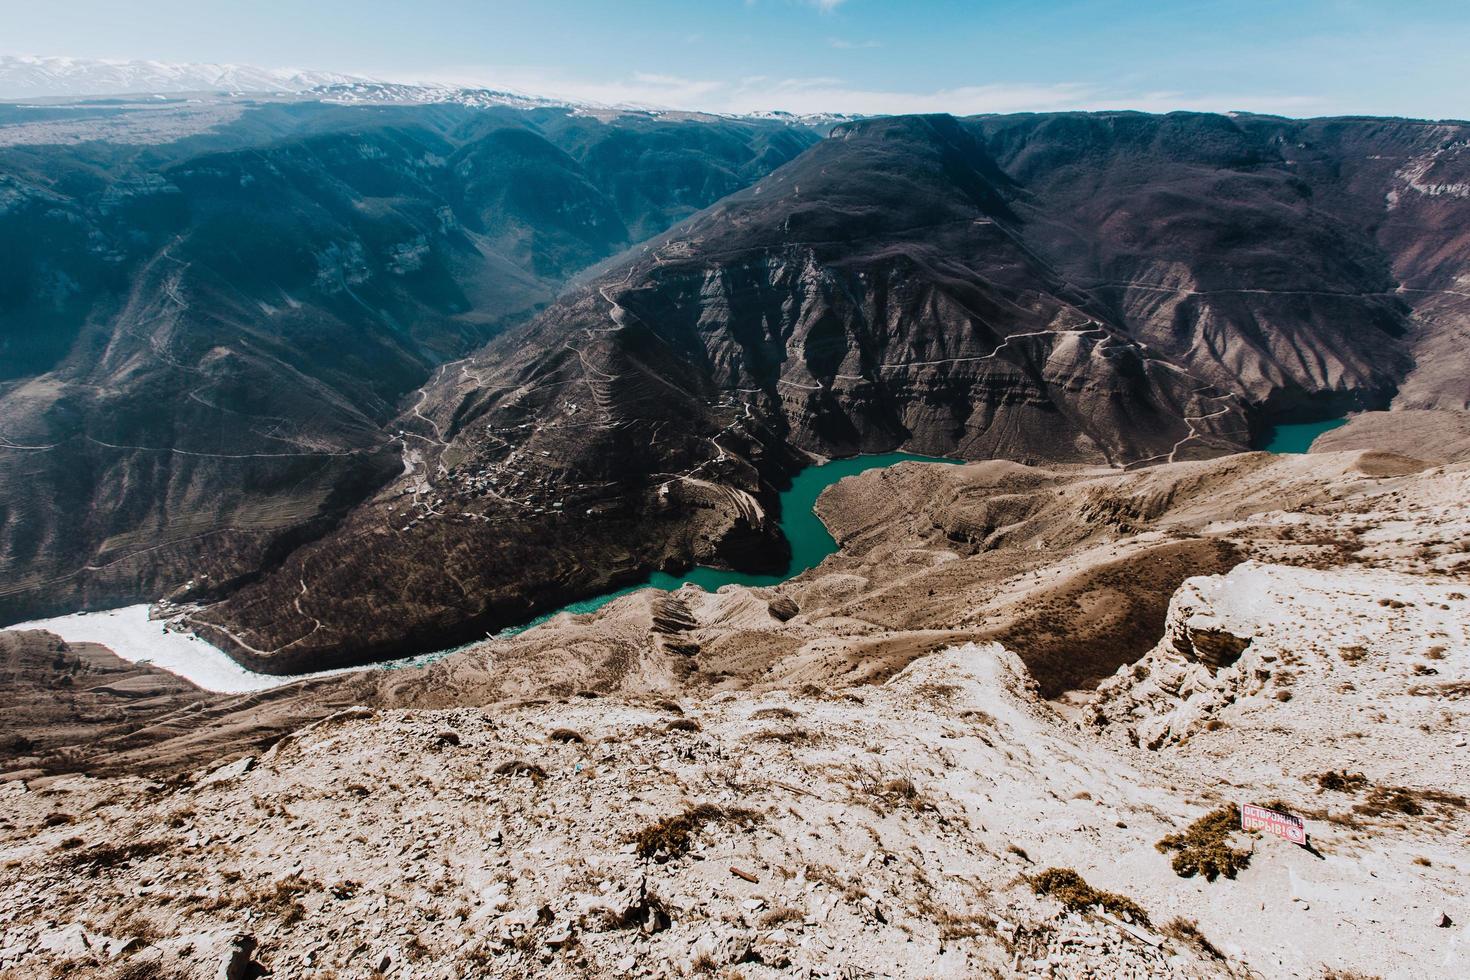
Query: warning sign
[(1254, 817)]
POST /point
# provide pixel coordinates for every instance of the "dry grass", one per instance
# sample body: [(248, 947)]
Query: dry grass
[(1340, 781), (780, 915), (775, 714), (566, 736), (104, 857), (784, 736), (1204, 846), (1187, 932), (520, 767), (682, 725), (1069, 888), (869, 787), (958, 925), (1387, 800), (673, 836)]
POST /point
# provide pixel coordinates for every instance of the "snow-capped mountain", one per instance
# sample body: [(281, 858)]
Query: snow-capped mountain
[(32, 77), (366, 91), (29, 77)]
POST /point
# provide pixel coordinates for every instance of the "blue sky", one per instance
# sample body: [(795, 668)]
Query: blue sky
[(1296, 57)]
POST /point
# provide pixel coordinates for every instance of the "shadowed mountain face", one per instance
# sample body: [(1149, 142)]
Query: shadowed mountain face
[(1297, 263), (1091, 289), (202, 341)]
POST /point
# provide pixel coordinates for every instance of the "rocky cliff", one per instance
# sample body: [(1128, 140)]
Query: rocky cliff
[(203, 339), (1118, 288)]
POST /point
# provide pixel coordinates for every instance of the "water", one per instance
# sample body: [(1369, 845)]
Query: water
[(1298, 438), (129, 633), (133, 636), (809, 538)]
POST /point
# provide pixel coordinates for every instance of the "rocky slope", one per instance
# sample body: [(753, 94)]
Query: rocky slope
[(826, 792), (204, 338)]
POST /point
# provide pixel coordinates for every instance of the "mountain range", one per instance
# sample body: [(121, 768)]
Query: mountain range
[(31, 77), (346, 381)]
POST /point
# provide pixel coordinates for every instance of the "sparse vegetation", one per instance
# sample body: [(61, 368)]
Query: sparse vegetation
[(673, 836), (777, 714), (520, 767), (1204, 846), (785, 736), (780, 915), (104, 857), (284, 899), (1385, 800), (1069, 888), (1187, 932), (1340, 781)]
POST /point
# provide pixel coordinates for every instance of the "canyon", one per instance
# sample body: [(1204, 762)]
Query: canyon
[(414, 391)]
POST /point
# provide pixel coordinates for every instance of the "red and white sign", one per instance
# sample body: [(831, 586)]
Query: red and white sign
[(1254, 817)]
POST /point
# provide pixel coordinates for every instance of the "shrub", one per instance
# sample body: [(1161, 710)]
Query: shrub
[(1341, 782), (1204, 846), (520, 767), (674, 835), (1390, 799), (106, 856), (566, 736), (1069, 888), (1187, 932), (790, 736), (781, 714), (682, 725)]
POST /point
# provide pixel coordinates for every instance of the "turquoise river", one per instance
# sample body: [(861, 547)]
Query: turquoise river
[(809, 538), (1298, 438), (810, 541)]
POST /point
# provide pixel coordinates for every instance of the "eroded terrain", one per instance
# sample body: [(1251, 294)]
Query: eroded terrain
[(999, 733)]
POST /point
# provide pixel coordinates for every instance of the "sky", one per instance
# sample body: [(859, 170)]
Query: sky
[(1293, 57)]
